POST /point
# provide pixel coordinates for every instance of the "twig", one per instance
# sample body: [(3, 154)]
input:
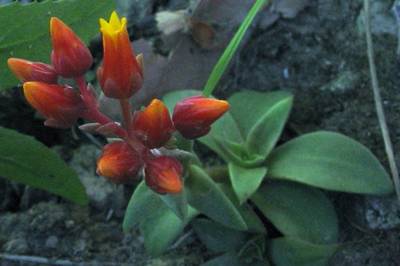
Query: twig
[(46, 261), (378, 101)]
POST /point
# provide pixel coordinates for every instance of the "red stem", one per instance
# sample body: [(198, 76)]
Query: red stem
[(126, 114), (92, 112)]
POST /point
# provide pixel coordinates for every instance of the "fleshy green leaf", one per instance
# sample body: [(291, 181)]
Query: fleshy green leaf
[(162, 229), (227, 259), (225, 139), (331, 161), (286, 251), (298, 211), (204, 195), (232, 259), (142, 205), (22, 37), (177, 203), (249, 107), (253, 222), (216, 237), (266, 131), (245, 181), (27, 161)]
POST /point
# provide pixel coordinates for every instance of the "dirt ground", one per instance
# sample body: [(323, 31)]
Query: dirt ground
[(320, 56)]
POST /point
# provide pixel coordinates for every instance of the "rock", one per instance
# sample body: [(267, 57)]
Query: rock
[(102, 194), (288, 8), (16, 246), (382, 212), (41, 221), (51, 242), (383, 20), (32, 196), (345, 81)]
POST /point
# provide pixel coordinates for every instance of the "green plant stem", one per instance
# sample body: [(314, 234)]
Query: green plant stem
[(230, 50), (378, 101)]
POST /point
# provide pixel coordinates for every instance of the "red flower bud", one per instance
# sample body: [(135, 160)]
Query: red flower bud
[(70, 57), (193, 116), (119, 162), (60, 105), (120, 75), (153, 126), (26, 70), (163, 175)]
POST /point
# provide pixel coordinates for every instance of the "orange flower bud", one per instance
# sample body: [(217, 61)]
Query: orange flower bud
[(119, 162), (26, 70), (193, 116), (163, 175), (120, 75), (60, 105), (70, 57), (153, 126)]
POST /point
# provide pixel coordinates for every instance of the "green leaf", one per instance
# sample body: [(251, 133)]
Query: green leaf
[(25, 29), (27, 161), (177, 203), (162, 229), (245, 181), (230, 50), (204, 195), (225, 139), (218, 238), (286, 251), (157, 222), (298, 211), (331, 161), (266, 131), (249, 107), (253, 222), (232, 259), (143, 204), (227, 259)]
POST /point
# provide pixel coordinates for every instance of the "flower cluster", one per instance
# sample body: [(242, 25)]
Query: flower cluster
[(142, 132)]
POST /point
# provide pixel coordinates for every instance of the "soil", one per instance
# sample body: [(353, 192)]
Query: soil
[(320, 56)]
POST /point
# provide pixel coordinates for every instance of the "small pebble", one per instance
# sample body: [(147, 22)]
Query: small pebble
[(51, 242)]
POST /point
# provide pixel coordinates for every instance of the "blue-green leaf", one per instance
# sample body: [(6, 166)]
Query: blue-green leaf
[(245, 181), (177, 203), (227, 259), (218, 238), (253, 222), (27, 161), (287, 251), (266, 132), (205, 195), (162, 228), (250, 107), (331, 161), (298, 211), (142, 205)]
